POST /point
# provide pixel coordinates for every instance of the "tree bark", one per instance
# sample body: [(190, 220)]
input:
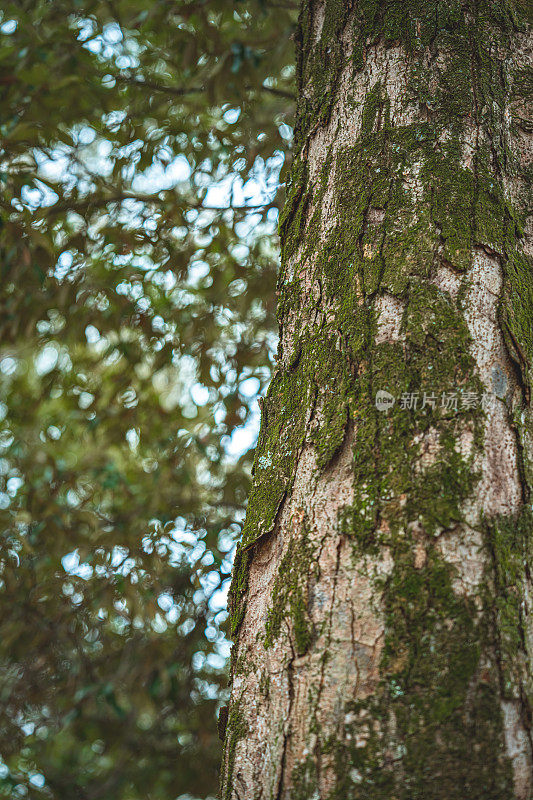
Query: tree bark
[(381, 597)]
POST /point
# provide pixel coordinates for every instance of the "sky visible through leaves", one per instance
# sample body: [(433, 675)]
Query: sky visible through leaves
[(143, 152)]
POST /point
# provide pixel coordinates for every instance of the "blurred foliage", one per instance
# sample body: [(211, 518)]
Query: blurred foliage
[(141, 147)]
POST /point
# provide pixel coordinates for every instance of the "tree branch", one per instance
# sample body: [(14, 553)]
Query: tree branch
[(93, 202), (182, 91)]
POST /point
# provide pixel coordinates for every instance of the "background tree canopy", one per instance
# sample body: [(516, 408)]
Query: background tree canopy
[(141, 148)]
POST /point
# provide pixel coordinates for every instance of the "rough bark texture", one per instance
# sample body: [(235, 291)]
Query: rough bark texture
[(382, 591)]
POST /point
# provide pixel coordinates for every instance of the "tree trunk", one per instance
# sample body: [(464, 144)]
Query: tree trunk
[(382, 590)]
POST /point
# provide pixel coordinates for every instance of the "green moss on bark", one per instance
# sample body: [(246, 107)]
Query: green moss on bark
[(236, 729), (433, 729), (290, 597), (510, 543)]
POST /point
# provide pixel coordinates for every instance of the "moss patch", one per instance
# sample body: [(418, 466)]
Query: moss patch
[(433, 729), (510, 542), (290, 597), (236, 729)]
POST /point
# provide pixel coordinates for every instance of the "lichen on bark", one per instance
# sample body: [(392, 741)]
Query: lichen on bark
[(383, 583)]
